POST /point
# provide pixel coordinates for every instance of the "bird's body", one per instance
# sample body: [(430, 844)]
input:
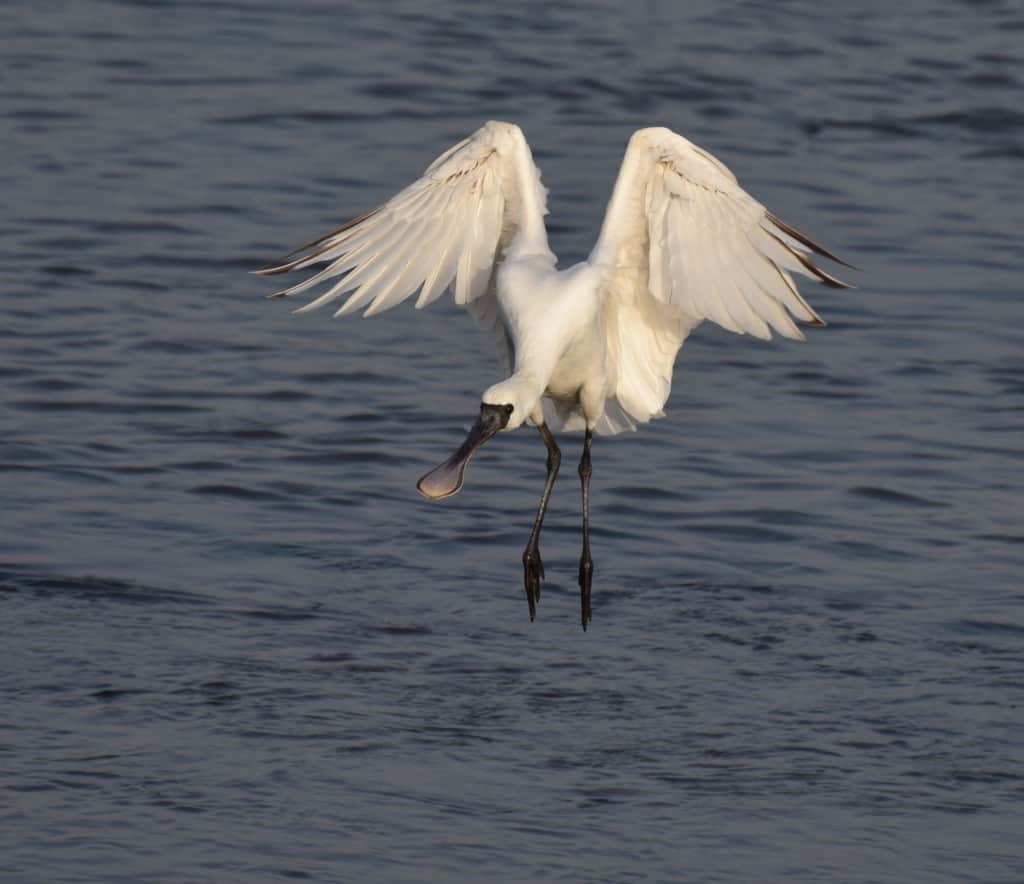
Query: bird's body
[(591, 347), (555, 321)]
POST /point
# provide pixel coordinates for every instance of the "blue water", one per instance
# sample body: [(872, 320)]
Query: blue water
[(238, 646)]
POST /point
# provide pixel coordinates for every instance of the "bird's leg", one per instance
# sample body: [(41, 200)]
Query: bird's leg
[(533, 568), (586, 565)]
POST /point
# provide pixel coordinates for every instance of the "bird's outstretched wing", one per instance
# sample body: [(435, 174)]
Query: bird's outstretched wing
[(453, 226), (683, 242)]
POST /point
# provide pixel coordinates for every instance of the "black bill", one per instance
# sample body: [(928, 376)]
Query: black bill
[(445, 480)]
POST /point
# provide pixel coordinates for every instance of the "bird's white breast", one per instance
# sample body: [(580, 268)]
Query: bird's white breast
[(556, 322)]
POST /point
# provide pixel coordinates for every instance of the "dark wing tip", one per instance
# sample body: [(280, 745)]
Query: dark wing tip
[(348, 224), (813, 269), (298, 256), (812, 245), (272, 271)]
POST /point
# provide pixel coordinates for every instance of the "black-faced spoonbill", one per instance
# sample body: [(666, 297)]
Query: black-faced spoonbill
[(591, 347)]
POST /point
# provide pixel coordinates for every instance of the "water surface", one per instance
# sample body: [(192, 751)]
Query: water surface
[(237, 645)]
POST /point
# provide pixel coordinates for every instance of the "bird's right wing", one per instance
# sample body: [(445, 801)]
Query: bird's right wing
[(453, 226)]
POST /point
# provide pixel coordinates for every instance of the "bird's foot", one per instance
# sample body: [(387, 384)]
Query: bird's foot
[(533, 573), (586, 577)]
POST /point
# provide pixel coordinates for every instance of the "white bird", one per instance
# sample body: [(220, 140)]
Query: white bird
[(591, 347)]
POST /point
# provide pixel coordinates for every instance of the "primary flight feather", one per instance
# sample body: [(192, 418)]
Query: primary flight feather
[(591, 347)]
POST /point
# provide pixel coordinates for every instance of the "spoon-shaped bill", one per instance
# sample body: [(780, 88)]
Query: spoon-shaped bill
[(446, 479)]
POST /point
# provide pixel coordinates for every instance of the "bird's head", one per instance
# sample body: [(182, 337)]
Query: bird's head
[(446, 479), (514, 393)]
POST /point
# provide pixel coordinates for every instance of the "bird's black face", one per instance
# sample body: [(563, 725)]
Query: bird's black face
[(446, 479)]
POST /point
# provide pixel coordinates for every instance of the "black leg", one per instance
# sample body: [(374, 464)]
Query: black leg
[(586, 565), (533, 568)]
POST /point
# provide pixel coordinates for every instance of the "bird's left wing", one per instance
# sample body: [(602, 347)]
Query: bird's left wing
[(693, 239), (450, 227), (682, 242)]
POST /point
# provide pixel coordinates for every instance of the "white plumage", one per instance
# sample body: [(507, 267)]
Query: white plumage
[(681, 242), (591, 347)]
